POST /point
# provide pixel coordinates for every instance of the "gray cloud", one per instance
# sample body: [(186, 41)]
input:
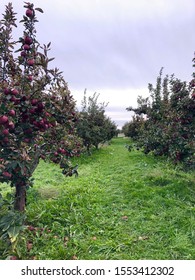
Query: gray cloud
[(125, 52)]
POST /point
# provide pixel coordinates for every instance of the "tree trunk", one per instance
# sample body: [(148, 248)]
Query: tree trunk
[(20, 198)]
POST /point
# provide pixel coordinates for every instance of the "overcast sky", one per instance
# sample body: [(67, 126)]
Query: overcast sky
[(116, 47)]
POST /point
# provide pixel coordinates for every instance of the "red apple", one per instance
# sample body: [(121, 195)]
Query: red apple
[(26, 47), (5, 132), (11, 125), (30, 13), (23, 53), (6, 91), (27, 140), (40, 105), (30, 78), (63, 152), (31, 62), (13, 99), (47, 114), (23, 98), (31, 228), (3, 119), (32, 111), (28, 40), (14, 91), (34, 102), (28, 131), (7, 174), (12, 113), (17, 101), (6, 140), (35, 123), (40, 124)]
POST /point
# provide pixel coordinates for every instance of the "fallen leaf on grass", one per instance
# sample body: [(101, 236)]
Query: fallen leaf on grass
[(29, 245), (125, 218), (55, 236), (13, 258), (143, 237), (66, 239)]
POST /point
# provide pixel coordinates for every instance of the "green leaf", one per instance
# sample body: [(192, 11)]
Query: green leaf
[(48, 45), (13, 233), (50, 59), (13, 164), (39, 10)]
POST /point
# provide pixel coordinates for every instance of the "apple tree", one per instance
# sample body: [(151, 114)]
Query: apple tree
[(94, 127), (170, 120), (37, 110)]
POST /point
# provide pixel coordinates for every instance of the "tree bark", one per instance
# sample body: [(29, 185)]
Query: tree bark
[(20, 198), (20, 195)]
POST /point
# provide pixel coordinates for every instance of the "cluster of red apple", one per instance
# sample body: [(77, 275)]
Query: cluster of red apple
[(6, 174), (28, 53), (6, 125), (35, 115), (67, 149), (58, 154)]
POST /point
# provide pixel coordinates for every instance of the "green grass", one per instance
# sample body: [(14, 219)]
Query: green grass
[(123, 205)]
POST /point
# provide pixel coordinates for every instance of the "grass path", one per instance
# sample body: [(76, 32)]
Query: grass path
[(122, 206)]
